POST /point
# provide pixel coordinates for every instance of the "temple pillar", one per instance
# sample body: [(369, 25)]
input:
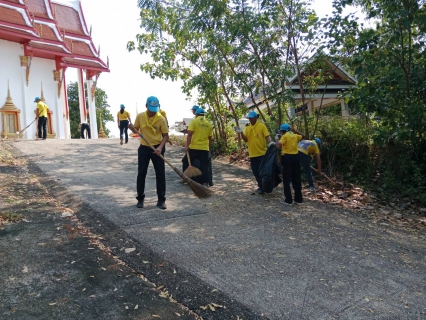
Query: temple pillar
[(65, 110), (92, 109), (345, 108), (27, 108), (81, 96)]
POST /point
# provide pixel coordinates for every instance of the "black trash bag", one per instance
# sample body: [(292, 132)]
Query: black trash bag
[(269, 170)]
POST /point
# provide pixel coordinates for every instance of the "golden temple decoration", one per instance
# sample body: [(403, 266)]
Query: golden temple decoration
[(56, 75), (26, 62), (101, 133), (10, 118)]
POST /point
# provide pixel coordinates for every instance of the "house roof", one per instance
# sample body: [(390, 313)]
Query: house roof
[(51, 29), (341, 80)]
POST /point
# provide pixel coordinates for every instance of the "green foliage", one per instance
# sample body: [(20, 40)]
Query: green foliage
[(102, 112)]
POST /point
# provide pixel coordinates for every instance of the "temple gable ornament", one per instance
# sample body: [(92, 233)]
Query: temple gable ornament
[(10, 118)]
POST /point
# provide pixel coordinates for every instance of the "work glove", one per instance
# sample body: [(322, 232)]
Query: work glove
[(238, 129), (272, 143)]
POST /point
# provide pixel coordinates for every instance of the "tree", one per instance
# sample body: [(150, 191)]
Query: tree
[(102, 111)]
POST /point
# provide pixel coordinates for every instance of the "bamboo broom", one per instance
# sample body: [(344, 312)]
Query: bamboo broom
[(199, 190), (191, 171)]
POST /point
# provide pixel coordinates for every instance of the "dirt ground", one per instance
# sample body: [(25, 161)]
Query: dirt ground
[(52, 267), (352, 249)]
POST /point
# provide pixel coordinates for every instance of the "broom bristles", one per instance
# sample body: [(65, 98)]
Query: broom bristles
[(191, 172), (199, 190)]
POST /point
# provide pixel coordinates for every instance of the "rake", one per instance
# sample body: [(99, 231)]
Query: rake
[(324, 175), (191, 171), (199, 190)]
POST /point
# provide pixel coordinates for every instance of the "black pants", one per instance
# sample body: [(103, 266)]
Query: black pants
[(123, 127), (291, 173), (203, 158), (305, 161), (145, 154), (42, 127), (255, 166), (85, 126)]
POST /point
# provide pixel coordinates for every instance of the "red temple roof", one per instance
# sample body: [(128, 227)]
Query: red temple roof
[(51, 29)]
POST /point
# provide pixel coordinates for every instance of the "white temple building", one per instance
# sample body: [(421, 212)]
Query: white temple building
[(39, 41)]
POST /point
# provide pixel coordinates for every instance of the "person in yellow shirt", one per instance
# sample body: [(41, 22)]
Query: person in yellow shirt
[(306, 149), (290, 163), (198, 142), (41, 116), (257, 136), (154, 128), (123, 121)]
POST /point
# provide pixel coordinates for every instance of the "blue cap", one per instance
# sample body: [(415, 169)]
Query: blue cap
[(122, 106), (252, 114), (195, 107), (318, 141), (200, 111), (285, 127), (36, 99), (153, 104)]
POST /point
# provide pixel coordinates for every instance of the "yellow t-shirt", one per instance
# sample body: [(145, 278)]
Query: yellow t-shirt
[(42, 109), (123, 116), (202, 130), (151, 128), (308, 147), (289, 143), (163, 113), (256, 139)]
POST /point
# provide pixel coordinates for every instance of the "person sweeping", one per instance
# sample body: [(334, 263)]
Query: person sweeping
[(41, 117), (154, 128), (198, 142), (306, 149)]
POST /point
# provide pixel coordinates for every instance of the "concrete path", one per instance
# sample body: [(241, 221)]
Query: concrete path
[(245, 254)]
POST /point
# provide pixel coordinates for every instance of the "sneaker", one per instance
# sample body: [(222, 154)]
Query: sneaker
[(161, 205), (260, 191), (312, 189), (282, 201), (121, 141), (298, 203), (206, 184), (211, 184), (139, 204)]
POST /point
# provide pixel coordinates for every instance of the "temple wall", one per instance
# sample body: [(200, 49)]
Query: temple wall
[(10, 71), (41, 75)]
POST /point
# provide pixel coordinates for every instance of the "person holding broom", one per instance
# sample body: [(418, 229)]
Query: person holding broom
[(153, 127), (198, 142), (257, 136), (41, 116)]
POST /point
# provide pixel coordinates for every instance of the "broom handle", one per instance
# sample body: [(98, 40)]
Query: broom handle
[(26, 127), (189, 159), (322, 174), (160, 155)]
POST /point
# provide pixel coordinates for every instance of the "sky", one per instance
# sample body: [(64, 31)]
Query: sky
[(114, 23)]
